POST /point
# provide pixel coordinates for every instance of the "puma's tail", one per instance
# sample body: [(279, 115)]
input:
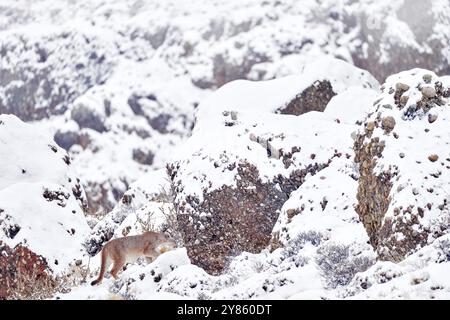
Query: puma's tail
[(102, 270)]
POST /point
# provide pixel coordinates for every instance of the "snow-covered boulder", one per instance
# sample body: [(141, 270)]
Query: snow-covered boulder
[(422, 275), (244, 158), (404, 164), (42, 203)]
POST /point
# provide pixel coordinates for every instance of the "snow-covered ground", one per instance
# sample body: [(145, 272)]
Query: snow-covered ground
[(277, 141)]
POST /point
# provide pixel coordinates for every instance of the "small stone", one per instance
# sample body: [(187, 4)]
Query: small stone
[(415, 191), (433, 157), (370, 126), (403, 100), (233, 115), (388, 124), (428, 92), (427, 78), (78, 263), (432, 117), (402, 155), (401, 86)]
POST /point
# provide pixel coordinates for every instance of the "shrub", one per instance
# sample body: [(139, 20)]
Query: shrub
[(338, 266)]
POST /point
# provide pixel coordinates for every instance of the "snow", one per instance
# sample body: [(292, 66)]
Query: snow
[(29, 168), (158, 78)]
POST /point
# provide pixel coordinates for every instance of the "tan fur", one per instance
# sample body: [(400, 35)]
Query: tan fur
[(127, 249)]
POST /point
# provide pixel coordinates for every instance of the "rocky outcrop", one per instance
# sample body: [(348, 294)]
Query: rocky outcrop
[(402, 152), (251, 206), (313, 98), (244, 160)]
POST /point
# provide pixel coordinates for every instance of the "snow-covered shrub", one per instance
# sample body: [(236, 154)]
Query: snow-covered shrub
[(338, 266), (295, 245)]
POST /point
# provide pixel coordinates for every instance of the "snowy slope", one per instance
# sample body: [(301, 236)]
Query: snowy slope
[(41, 201), (320, 246), (301, 179)]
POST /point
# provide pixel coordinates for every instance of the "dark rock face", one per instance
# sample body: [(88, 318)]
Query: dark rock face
[(160, 122), (88, 118), (231, 220), (139, 105), (66, 139), (313, 98), (143, 157), (373, 190), (238, 219), (399, 225), (226, 70)]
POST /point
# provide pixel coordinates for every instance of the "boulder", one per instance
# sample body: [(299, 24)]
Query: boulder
[(402, 201), (245, 158)]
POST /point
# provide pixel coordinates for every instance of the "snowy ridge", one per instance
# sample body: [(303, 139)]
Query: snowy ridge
[(41, 200), (238, 123)]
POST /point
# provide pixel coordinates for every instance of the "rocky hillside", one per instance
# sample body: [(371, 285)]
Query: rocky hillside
[(293, 149), (314, 205), (116, 84)]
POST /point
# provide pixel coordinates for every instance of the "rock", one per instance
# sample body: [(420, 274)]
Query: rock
[(433, 157), (388, 124), (66, 139), (432, 117), (313, 98), (222, 192), (86, 117), (401, 87), (383, 209), (237, 218), (428, 92), (427, 78), (143, 157)]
